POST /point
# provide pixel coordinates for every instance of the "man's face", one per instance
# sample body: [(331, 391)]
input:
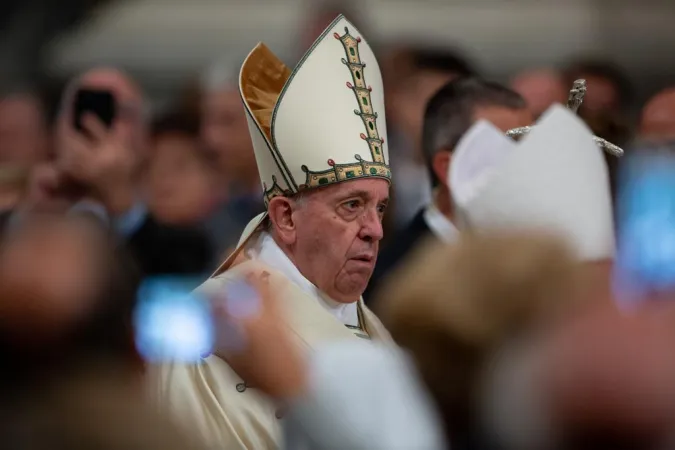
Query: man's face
[(182, 185), (23, 132), (504, 118), (338, 231), (601, 96), (225, 131)]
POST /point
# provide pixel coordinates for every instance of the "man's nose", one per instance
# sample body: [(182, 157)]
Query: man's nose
[(371, 227)]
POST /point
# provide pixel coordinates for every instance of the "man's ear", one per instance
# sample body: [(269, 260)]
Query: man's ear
[(280, 211), (440, 165)]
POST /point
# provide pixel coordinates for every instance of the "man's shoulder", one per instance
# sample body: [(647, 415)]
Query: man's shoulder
[(241, 270)]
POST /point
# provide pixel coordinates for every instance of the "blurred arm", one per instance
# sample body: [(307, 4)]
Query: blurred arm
[(363, 396)]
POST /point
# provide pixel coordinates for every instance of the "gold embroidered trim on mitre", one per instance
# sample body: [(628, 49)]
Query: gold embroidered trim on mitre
[(378, 167)]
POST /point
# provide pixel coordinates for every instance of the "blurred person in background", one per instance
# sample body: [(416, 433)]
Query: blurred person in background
[(541, 88), (69, 288), (102, 170), (425, 72), (449, 114), (224, 132), (609, 90), (24, 142), (657, 118), (183, 184), (318, 241), (319, 14)]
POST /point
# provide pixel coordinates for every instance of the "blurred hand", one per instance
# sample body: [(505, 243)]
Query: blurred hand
[(256, 342), (48, 191), (100, 159), (611, 368)]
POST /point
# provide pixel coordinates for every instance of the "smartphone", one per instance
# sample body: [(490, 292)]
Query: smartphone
[(172, 322), (100, 103), (645, 261)]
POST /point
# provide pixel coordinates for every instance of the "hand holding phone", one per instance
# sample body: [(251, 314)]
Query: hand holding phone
[(99, 103)]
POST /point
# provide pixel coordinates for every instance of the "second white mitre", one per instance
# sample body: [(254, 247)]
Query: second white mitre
[(555, 180)]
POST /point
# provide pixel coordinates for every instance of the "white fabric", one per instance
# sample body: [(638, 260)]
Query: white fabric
[(380, 406), (555, 180), (439, 225), (472, 169), (324, 113), (265, 250)]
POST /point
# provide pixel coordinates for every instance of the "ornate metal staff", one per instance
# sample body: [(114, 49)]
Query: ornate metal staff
[(574, 101)]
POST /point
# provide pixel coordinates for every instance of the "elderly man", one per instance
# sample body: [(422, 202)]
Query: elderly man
[(319, 138)]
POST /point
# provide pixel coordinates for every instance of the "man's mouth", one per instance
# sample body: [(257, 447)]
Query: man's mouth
[(364, 258)]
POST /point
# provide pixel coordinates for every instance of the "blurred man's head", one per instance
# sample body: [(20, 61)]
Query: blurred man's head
[(332, 234), (68, 294), (455, 108), (130, 119), (182, 182), (224, 128), (541, 88), (429, 70), (23, 130), (453, 307), (657, 121), (608, 89)]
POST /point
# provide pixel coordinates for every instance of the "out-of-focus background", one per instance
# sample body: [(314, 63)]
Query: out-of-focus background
[(164, 42)]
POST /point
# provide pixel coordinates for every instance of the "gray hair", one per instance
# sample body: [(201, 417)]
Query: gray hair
[(449, 113), (300, 200)]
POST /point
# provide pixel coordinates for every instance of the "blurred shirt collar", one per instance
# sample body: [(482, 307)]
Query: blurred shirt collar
[(439, 225)]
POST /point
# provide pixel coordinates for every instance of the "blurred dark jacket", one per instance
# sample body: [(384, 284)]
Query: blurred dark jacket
[(157, 248), (164, 249), (396, 252)]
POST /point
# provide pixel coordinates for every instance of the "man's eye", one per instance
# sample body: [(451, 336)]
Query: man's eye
[(381, 209), (352, 205)]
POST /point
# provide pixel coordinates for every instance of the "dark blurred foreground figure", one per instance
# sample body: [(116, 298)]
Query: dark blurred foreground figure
[(521, 353), (101, 170), (74, 379)]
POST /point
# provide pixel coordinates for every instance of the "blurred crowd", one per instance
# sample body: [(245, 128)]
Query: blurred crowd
[(497, 340)]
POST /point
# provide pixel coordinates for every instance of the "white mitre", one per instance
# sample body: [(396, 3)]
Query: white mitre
[(555, 180), (319, 124)]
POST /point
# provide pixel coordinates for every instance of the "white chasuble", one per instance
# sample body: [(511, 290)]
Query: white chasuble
[(212, 400)]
